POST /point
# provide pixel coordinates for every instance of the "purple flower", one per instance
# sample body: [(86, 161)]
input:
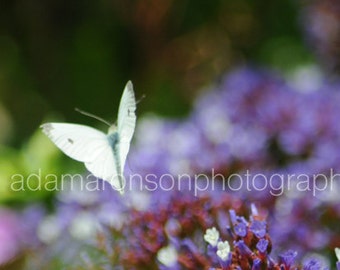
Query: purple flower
[(287, 259), (262, 245), (258, 228), (241, 229), (312, 264), (10, 236), (257, 265), (244, 249)]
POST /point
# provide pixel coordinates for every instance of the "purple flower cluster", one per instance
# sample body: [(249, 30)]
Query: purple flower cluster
[(253, 120), (251, 247), (173, 238), (174, 227), (109, 230)]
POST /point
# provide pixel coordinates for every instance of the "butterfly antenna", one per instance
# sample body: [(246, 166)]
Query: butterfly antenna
[(93, 116), (140, 99)]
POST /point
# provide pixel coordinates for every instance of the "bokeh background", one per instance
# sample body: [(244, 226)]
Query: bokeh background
[(58, 55)]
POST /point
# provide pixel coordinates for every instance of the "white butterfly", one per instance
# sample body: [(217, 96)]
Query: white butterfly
[(104, 155)]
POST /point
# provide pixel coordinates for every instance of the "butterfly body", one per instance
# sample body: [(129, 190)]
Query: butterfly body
[(104, 155), (113, 139)]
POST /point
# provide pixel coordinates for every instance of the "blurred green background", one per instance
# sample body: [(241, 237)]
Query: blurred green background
[(58, 55)]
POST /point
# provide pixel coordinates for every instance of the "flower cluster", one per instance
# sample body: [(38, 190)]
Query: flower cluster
[(168, 234), (255, 120), (251, 247), (109, 230)]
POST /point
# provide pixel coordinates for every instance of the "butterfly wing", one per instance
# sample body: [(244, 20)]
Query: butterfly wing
[(79, 142), (104, 167), (88, 145), (126, 121)]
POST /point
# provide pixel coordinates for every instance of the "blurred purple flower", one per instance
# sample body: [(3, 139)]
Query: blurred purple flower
[(262, 245), (288, 258), (11, 236)]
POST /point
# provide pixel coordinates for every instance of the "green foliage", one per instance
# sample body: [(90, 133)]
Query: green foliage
[(32, 172)]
